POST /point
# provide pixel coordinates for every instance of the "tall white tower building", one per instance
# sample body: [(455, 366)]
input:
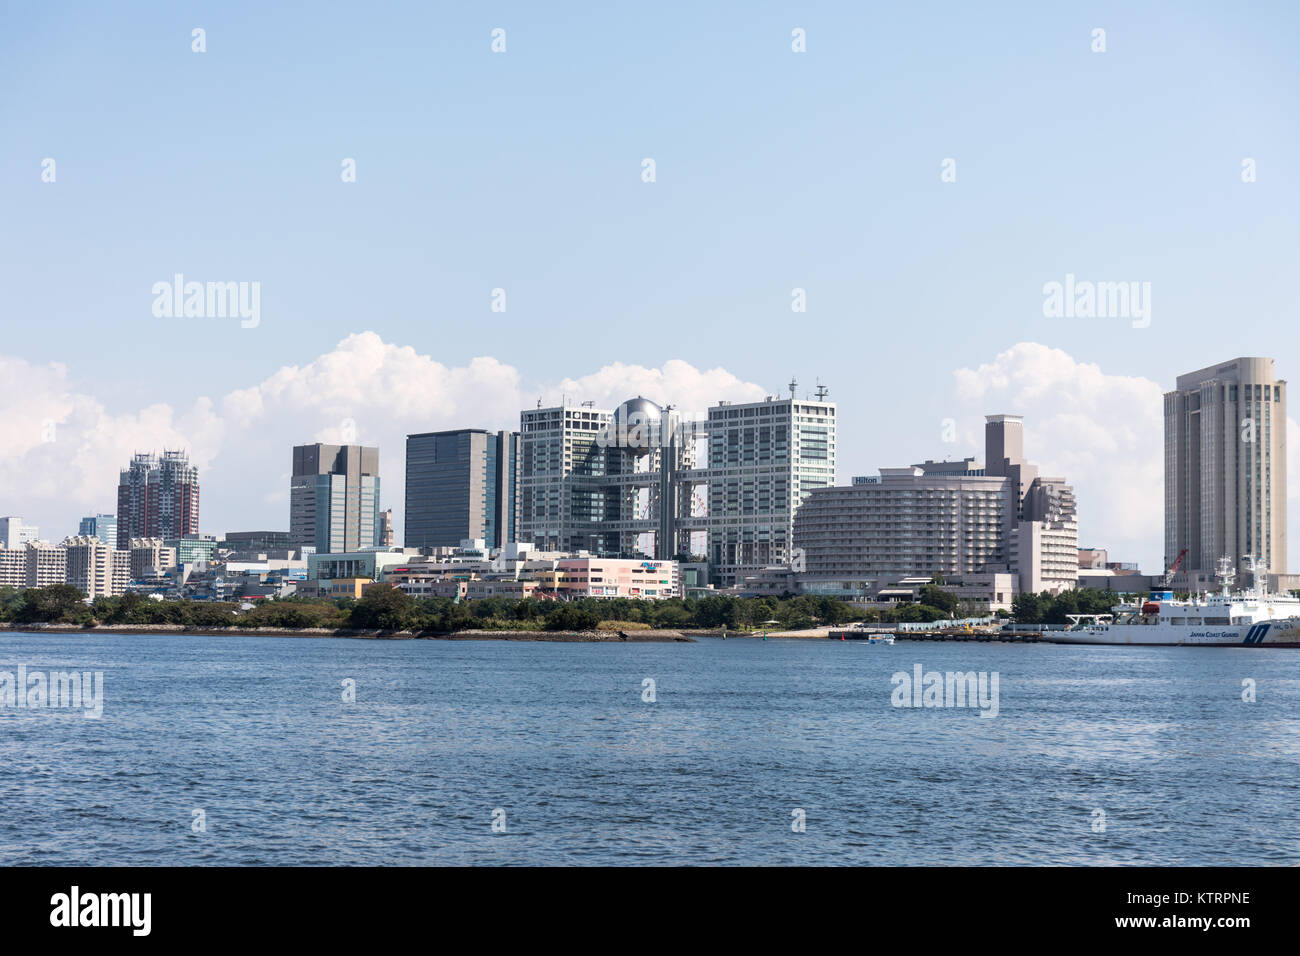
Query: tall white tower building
[(1225, 467)]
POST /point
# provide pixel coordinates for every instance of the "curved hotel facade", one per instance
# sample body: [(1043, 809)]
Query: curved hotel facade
[(1225, 468), (951, 519)]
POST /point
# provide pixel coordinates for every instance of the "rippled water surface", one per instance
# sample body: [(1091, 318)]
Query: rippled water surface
[(255, 733)]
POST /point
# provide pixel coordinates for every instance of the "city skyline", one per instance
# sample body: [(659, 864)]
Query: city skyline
[(1118, 545), (918, 200), (1020, 373)]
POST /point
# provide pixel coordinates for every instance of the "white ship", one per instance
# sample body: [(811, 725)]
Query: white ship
[(1252, 618)]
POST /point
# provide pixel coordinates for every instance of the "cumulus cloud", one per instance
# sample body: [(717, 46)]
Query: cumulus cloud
[(692, 390), (61, 450), (1101, 431)]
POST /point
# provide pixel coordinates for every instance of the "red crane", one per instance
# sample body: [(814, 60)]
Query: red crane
[(1173, 568)]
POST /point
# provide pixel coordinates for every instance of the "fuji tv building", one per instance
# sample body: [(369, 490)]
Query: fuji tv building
[(642, 479)]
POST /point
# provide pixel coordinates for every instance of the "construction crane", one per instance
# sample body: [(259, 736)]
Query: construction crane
[(1173, 568)]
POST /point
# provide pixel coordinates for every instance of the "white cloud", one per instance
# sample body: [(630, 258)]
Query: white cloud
[(61, 449), (692, 390), (1102, 432)]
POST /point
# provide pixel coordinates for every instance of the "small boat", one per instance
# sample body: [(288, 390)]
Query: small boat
[(860, 633)]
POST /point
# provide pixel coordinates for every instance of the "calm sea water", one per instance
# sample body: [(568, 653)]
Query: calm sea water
[(254, 732)]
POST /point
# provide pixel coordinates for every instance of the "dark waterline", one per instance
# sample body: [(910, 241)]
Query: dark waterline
[(254, 732)]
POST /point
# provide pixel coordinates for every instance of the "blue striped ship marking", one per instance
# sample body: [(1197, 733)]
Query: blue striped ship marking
[(1256, 634)]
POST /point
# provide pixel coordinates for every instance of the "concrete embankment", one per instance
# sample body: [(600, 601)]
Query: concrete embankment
[(572, 637)]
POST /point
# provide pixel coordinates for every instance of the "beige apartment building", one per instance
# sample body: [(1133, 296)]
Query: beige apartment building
[(150, 555), (944, 518), (13, 567), (906, 521), (95, 568), (46, 564)]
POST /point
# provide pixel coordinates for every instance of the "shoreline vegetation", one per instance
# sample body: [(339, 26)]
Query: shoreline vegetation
[(385, 612), (181, 630)]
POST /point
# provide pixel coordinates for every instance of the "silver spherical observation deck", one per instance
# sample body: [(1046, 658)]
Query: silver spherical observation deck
[(636, 422)]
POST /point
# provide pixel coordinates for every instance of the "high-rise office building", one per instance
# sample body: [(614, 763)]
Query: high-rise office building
[(15, 533), (157, 497), (615, 483), (563, 501), (334, 498), (1225, 467), (460, 484), (103, 527), (765, 458), (625, 482)]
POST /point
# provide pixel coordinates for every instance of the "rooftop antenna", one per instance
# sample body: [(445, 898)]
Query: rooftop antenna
[(539, 401), (793, 385), (822, 391)]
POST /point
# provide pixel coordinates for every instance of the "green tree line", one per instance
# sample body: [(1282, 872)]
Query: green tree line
[(387, 608)]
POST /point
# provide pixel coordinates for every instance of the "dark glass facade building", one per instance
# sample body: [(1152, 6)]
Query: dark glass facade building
[(460, 485)]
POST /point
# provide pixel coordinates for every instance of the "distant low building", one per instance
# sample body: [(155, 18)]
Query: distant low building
[(150, 555), (368, 565), (103, 527), (1121, 582), (257, 541), (193, 548), (335, 587), (617, 577), (16, 533), (517, 571)]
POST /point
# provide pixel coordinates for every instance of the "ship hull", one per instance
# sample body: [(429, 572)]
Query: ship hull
[(1283, 633)]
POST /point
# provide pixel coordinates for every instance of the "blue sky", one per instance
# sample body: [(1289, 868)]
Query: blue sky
[(521, 170)]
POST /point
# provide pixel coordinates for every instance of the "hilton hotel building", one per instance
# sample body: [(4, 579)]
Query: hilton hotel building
[(1225, 468)]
